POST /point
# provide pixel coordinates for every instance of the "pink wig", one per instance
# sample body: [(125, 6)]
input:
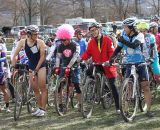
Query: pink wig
[(65, 31)]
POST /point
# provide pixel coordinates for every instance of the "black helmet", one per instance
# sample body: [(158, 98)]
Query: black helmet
[(155, 18), (32, 28), (97, 25)]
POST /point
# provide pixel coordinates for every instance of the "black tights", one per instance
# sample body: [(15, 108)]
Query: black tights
[(114, 92)]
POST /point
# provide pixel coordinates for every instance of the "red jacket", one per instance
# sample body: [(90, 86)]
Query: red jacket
[(107, 50), (158, 41)]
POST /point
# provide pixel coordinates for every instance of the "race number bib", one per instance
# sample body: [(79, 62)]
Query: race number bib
[(130, 50), (34, 49)]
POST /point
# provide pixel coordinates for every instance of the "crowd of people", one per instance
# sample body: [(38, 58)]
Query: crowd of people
[(139, 42)]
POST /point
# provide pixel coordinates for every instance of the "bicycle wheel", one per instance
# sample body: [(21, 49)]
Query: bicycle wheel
[(61, 96), (129, 100), (88, 98), (106, 94), (73, 101), (98, 88), (31, 100), (141, 101), (51, 90), (18, 97), (153, 88)]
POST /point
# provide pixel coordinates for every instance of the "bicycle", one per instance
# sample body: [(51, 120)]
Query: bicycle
[(130, 95), (23, 91), (64, 92), (95, 91), (51, 80)]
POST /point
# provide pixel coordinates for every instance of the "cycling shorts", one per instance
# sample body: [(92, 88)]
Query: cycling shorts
[(141, 70)]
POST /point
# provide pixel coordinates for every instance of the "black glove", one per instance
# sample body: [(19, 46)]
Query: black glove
[(121, 39), (111, 61)]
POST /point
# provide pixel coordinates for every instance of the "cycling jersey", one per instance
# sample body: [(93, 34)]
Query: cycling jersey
[(67, 52), (53, 50), (149, 40), (132, 55), (22, 57), (82, 44)]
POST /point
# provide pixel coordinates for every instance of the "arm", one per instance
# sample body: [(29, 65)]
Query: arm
[(75, 56), (132, 45), (3, 57), (51, 52), (117, 50), (17, 50), (58, 57), (42, 48)]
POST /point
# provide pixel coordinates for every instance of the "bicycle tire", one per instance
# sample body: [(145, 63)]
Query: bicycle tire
[(18, 97), (106, 94), (126, 98), (65, 96), (51, 90), (88, 98)]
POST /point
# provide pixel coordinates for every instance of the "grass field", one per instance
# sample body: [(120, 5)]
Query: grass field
[(101, 120)]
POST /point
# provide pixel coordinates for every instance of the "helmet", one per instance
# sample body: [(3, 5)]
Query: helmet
[(153, 24), (65, 31), (52, 32), (155, 18), (32, 28), (23, 32), (1, 33), (130, 22), (142, 26), (78, 31), (97, 25)]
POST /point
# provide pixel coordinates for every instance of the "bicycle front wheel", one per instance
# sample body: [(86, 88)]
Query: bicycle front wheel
[(129, 100), (61, 96), (106, 94), (88, 98), (18, 97)]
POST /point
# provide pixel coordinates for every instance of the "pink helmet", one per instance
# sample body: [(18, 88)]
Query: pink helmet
[(65, 31)]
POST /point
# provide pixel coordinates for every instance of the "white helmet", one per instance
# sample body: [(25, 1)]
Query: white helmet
[(153, 24), (32, 28), (130, 22)]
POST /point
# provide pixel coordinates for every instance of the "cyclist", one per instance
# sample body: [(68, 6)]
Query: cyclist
[(155, 19), (150, 48), (100, 49), (68, 52), (132, 43), (3, 76), (22, 58), (153, 29), (80, 40), (35, 51)]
